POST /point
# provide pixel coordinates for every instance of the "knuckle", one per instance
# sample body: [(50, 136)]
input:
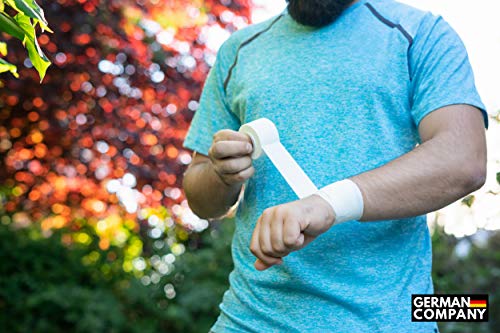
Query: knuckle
[(229, 165), (254, 249), (216, 148), (217, 168), (267, 212), (289, 241), (267, 251), (247, 160), (277, 248)]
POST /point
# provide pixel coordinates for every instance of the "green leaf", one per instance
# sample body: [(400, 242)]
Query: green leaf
[(498, 177), (31, 9), (469, 200), (42, 25), (3, 48), (8, 67), (36, 55), (11, 27)]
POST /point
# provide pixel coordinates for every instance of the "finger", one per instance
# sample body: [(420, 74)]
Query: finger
[(256, 250), (222, 149), (261, 266), (292, 235), (254, 241), (230, 135), (265, 236), (233, 165), (240, 176), (276, 233)]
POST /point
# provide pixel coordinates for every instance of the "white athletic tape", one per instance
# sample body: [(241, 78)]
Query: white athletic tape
[(344, 196), (265, 139)]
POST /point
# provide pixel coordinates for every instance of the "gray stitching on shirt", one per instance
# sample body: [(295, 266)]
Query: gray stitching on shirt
[(246, 42)]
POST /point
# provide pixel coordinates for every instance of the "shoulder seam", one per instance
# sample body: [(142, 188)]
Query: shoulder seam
[(389, 23), (246, 42)]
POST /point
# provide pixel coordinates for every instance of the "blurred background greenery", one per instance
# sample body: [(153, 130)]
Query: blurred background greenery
[(95, 232)]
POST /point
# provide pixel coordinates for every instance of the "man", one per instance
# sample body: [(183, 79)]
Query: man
[(372, 91)]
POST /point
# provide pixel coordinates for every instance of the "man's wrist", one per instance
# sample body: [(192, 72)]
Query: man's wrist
[(326, 207), (345, 199)]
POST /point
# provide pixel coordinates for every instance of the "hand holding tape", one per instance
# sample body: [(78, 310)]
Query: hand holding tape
[(344, 196), (265, 139)]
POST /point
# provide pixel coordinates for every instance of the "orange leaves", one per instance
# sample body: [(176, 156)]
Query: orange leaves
[(34, 137), (149, 139), (172, 152), (24, 154), (33, 116), (82, 39), (54, 222), (35, 167), (115, 107), (12, 100)]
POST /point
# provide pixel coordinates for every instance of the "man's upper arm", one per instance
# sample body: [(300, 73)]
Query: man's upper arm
[(464, 121), (459, 138), (441, 76)]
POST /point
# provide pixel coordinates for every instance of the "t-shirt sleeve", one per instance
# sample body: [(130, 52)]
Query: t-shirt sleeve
[(440, 70), (213, 113)]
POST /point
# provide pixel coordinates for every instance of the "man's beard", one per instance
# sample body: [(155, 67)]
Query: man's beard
[(316, 13)]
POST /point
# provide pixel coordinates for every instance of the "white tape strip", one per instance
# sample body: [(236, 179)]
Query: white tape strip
[(265, 139), (345, 198)]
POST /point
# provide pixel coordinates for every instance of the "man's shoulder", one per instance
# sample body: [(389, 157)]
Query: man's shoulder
[(409, 18), (239, 37)]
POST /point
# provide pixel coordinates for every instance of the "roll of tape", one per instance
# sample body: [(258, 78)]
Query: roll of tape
[(265, 139)]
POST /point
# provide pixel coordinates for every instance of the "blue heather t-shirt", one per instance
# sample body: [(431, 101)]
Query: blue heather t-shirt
[(346, 98)]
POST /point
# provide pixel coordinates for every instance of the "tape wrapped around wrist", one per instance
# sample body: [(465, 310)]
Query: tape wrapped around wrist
[(345, 198)]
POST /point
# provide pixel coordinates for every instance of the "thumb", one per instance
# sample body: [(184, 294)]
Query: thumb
[(299, 242), (261, 266), (302, 241)]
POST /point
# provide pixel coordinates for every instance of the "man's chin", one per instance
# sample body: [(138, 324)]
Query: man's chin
[(316, 13)]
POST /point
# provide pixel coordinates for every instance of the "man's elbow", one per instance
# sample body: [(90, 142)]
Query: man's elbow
[(473, 176), (204, 213), (194, 203), (190, 198)]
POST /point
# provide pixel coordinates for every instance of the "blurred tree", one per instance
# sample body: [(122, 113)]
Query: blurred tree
[(94, 157), (468, 265), (46, 286), (101, 139)]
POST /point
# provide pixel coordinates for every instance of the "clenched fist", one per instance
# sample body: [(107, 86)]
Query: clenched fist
[(289, 227), (230, 156)]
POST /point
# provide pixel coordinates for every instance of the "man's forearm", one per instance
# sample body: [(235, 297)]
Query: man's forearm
[(208, 196), (424, 180)]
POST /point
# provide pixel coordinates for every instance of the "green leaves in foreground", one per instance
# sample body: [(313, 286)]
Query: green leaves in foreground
[(8, 67), (37, 57), (22, 26), (31, 9), (4, 65)]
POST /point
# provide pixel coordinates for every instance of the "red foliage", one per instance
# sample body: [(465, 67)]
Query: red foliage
[(115, 101)]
